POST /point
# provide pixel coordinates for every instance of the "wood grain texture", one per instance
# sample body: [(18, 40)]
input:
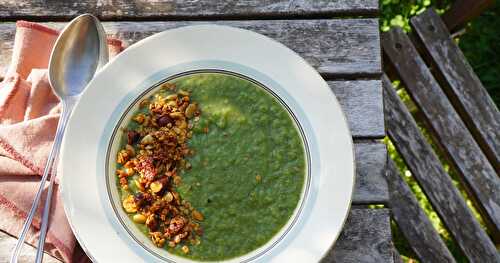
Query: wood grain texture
[(366, 238), (371, 186), (412, 220), (434, 181), (181, 9), (335, 47), (478, 175), (365, 103), (460, 83), (361, 100), (28, 254)]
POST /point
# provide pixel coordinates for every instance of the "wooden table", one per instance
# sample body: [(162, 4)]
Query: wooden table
[(344, 49)]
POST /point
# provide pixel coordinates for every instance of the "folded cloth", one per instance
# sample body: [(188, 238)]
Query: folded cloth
[(29, 113)]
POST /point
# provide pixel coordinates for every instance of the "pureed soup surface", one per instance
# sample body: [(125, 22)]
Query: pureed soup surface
[(247, 173)]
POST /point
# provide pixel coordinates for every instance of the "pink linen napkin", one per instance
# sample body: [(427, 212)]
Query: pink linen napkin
[(29, 113)]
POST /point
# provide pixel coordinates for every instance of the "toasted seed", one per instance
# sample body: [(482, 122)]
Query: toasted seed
[(190, 110), (171, 244), (176, 115), (171, 97), (183, 93), (129, 204), (139, 218), (156, 187), (177, 239), (139, 118), (183, 124), (168, 197), (148, 139), (197, 215)]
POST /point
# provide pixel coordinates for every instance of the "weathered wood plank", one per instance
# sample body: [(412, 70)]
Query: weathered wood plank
[(180, 9), (435, 182), (412, 220), (362, 100), (460, 83), (28, 253), (371, 186), (478, 175), (463, 11), (365, 103), (335, 47), (366, 238)]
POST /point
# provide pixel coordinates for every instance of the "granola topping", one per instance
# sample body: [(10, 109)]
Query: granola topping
[(153, 154)]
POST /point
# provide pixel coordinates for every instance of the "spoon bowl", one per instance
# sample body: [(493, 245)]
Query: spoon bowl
[(76, 56)]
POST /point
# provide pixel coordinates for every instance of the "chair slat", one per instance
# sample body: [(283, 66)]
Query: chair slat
[(437, 185), (412, 221), (478, 175), (460, 83)]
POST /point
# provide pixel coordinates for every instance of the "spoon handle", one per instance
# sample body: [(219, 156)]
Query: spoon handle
[(66, 111)]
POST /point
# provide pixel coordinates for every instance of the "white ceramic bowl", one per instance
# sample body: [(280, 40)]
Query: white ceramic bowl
[(90, 203)]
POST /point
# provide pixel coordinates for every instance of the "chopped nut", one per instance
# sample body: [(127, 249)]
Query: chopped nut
[(185, 249), (139, 118), (190, 110), (171, 97), (151, 222), (122, 157), (176, 115), (183, 93), (148, 139), (197, 215), (130, 150), (157, 239)]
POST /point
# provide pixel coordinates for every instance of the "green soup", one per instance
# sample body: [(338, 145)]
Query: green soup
[(248, 171)]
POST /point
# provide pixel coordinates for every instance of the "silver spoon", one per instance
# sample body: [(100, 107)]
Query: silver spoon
[(78, 52)]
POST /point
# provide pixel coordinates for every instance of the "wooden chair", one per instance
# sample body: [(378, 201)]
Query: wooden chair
[(463, 121)]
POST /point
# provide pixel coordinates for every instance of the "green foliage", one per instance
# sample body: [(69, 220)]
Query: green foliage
[(398, 12), (481, 46)]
